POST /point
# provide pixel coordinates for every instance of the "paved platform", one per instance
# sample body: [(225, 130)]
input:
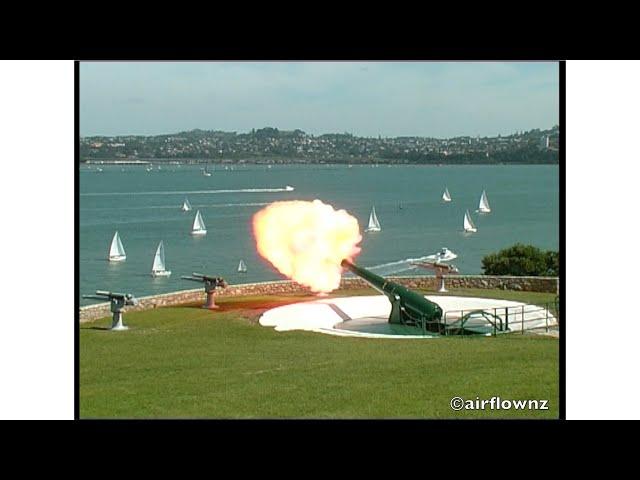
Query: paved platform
[(366, 316)]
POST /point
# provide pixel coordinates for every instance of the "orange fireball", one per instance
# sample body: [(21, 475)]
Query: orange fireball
[(306, 241)]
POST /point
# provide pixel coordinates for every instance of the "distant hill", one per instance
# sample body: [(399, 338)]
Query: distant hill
[(278, 146)]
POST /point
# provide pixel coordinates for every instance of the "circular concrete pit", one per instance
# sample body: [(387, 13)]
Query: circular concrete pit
[(367, 316)]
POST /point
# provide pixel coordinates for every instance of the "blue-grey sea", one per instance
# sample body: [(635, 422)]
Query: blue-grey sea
[(144, 207)]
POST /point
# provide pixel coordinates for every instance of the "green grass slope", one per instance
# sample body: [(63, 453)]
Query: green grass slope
[(192, 363)]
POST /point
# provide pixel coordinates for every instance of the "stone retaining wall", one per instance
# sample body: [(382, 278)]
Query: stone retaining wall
[(530, 284)]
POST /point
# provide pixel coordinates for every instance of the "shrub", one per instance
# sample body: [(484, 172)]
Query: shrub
[(522, 260)]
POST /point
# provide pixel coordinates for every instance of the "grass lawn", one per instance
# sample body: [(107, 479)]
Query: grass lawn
[(186, 362)]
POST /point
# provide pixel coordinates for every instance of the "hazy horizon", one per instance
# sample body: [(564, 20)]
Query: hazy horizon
[(366, 99)]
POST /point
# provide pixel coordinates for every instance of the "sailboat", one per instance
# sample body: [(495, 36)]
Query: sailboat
[(158, 269), (469, 226), (374, 224), (242, 268), (484, 207), (116, 252), (198, 225), (186, 206), (446, 196)]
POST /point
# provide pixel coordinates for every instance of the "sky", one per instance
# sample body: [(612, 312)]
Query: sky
[(430, 99)]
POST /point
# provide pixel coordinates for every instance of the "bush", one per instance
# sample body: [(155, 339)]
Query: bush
[(522, 260)]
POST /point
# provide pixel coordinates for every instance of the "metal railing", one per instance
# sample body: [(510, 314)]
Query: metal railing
[(498, 320)]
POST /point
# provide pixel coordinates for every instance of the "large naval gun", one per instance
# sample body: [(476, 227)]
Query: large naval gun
[(407, 307)]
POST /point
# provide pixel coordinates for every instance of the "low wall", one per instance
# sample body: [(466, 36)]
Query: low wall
[(530, 284)]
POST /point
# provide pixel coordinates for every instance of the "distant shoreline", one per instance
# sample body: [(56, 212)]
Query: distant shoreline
[(285, 161)]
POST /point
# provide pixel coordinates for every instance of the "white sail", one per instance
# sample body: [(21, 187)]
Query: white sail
[(198, 225), (374, 224), (242, 268), (186, 206), (158, 260), (468, 223), (484, 203), (116, 252), (159, 269), (446, 196)]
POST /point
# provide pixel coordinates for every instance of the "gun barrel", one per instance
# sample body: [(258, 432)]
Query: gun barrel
[(95, 297), (202, 277), (104, 293), (376, 281), (192, 279), (433, 265)]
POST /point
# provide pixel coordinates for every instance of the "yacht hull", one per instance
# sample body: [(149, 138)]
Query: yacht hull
[(437, 258), (161, 273)]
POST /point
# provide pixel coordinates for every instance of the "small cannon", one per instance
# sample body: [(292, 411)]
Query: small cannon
[(407, 307), (440, 269), (118, 302), (210, 285)]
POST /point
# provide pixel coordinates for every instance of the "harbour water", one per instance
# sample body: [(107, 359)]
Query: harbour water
[(144, 207)]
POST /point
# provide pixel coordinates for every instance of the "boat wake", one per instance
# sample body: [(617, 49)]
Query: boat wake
[(393, 268), (288, 188), (174, 207)]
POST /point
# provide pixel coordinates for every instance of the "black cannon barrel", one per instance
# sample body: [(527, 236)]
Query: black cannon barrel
[(408, 307), (210, 282), (200, 277), (193, 279)]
